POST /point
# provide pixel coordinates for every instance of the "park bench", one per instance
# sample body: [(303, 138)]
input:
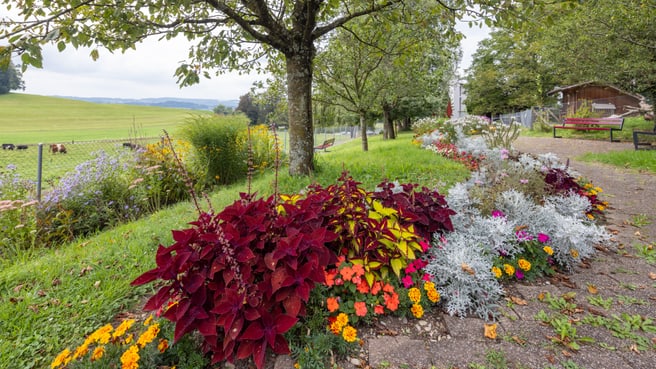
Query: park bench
[(591, 124), (325, 145), (645, 145)]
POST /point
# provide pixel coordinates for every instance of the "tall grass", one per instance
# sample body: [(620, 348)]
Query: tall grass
[(54, 297)]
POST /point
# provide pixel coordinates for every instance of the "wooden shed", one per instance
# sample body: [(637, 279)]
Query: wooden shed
[(605, 100)]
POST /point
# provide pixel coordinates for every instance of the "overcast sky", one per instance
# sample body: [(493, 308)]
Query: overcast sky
[(148, 72)]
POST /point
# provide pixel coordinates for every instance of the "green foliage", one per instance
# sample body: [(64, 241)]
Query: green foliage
[(18, 214), (10, 79), (220, 147)]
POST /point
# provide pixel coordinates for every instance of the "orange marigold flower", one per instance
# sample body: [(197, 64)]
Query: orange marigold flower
[(342, 319), (349, 334), (332, 304), (347, 273), (81, 351), (62, 359), (148, 336), (433, 295), (122, 328), (163, 345), (98, 353), (417, 310), (509, 269), (360, 308)]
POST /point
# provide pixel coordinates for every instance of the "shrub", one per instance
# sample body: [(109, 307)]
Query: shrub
[(498, 134), (262, 145), (220, 150)]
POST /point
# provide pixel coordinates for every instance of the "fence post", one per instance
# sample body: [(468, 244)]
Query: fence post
[(39, 168)]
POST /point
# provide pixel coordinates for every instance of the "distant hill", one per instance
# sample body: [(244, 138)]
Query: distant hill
[(166, 102)]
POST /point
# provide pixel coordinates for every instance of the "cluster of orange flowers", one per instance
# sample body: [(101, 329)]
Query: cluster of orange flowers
[(108, 335)]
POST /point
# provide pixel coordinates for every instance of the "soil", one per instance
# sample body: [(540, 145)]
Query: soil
[(617, 285)]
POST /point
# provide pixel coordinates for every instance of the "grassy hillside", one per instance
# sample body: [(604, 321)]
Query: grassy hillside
[(30, 119)]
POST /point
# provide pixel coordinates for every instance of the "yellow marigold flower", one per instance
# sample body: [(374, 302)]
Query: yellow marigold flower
[(342, 318), (349, 334), (592, 192), (102, 334), (598, 189), (98, 353), (548, 250), (588, 186), (497, 272), (417, 310), (414, 294), (130, 358), (601, 207), (590, 216), (122, 328), (509, 269), (433, 295), (62, 359), (428, 285), (129, 338), (574, 253), (148, 336), (524, 264), (335, 327), (80, 351), (297, 366), (148, 320)]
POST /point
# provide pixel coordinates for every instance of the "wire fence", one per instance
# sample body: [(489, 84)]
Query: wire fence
[(44, 164)]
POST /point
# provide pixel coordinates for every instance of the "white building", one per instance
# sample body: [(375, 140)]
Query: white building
[(458, 94)]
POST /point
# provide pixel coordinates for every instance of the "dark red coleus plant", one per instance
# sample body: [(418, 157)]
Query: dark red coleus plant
[(242, 277)]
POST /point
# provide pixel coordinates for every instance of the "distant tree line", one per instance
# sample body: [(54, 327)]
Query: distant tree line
[(10, 79), (612, 42)]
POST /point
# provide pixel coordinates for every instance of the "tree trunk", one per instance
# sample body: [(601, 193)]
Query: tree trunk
[(363, 132), (388, 125), (299, 97)]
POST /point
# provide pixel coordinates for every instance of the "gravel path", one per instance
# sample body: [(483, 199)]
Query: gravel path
[(616, 287)]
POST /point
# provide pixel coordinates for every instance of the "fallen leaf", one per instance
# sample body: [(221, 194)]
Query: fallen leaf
[(18, 288), (85, 270), (467, 269), (652, 275), (637, 233), (541, 296), (85, 243), (518, 300), (84, 302), (34, 308), (41, 293), (490, 331), (97, 284), (518, 340), (634, 348), (551, 359), (592, 289), (569, 296), (566, 353), (56, 282), (653, 340)]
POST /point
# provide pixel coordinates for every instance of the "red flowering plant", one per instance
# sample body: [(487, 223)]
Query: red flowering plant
[(242, 277), (560, 182)]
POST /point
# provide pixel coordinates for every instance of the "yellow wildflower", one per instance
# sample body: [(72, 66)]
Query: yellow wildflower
[(509, 269), (414, 295), (417, 310), (524, 264), (349, 334), (497, 272), (548, 250), (98, 353), (574, 253)]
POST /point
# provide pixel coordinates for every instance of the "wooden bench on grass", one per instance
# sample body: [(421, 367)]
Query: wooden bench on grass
[(325, 145), (645, 145), (591, 124)]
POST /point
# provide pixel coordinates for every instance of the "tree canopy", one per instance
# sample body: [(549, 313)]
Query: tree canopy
[(10, 79)]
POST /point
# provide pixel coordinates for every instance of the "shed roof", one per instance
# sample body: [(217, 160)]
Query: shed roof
[(593, 83)]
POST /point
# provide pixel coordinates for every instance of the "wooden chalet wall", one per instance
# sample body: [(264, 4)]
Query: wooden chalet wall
[(599, 94)]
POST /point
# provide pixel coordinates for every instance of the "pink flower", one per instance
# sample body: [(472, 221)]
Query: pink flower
[(543, 238), (426, 277), (523, 181), (424, 245), (498, 214), (407, 281)]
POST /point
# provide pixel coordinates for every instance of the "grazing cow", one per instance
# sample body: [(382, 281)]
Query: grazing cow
[(130, 145), (8, 146), (58, 148), (21, 147)]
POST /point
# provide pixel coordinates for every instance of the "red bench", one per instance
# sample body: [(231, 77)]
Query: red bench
[(325, 145), (591, 124)]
